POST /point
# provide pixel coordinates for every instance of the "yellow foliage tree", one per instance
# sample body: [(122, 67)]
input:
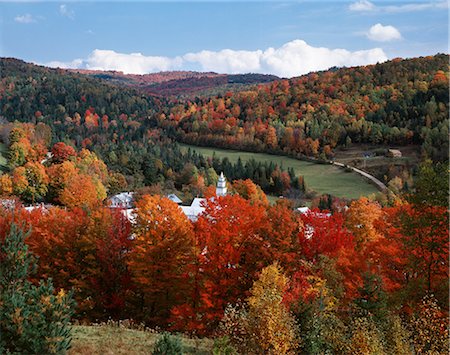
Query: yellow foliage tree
[(250, 191), (6, 186), (271, 325), (430, 331), (366, 338)]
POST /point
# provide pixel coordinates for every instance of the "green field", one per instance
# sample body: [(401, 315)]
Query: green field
[(322, 178), (3, 161)]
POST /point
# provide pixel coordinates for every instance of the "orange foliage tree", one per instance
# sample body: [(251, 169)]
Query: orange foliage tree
[(162, 249), (80, 251)]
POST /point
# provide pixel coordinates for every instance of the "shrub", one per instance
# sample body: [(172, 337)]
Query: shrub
[(222, 346), (168, 345)]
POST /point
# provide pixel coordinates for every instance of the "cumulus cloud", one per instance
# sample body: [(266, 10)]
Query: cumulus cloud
[(134, 63), (382, 33), (65, 11), (74, 64), (298, 57), (362, 5), (366, 6), (27, 18), (227, 60), (292, 59)]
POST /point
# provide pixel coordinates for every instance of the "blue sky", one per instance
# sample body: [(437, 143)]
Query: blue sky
[(286, 38)]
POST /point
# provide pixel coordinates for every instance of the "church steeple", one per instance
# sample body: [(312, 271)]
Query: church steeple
[(221, 189)]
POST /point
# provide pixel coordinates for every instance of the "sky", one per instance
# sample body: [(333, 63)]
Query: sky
[(285, 38)]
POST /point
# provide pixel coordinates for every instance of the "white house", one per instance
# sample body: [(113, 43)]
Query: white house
[(122, 200)]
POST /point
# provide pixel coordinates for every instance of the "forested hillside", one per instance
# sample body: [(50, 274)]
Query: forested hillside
[(184, 83), (116, 123), (399, 102)]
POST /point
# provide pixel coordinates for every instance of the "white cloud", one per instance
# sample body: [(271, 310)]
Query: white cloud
[(227, 60), (65, 11), (382, 33), (366, 6), (362, 5), (134, 63), (416, 7), (27, 18), (292, 59), (74, 64), (297, 57)]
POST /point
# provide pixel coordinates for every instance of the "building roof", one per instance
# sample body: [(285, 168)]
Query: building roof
[(303, 210), (198, 202), (174, 198), (192, 212)]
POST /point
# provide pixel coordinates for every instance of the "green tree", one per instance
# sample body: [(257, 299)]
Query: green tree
[(33, 320), (431, 184), (168, 345)]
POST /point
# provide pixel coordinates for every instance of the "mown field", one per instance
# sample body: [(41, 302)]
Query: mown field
[(3, 161), (115, 339), (322, 178)]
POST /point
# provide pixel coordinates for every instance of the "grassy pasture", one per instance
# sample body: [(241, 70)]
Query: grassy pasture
[(114, 339), (3, 161), (322, 178)]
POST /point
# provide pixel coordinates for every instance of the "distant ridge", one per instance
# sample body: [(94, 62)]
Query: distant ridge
[(175, 83)]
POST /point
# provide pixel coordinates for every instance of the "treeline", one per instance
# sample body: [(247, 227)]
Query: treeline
[(399, 102)]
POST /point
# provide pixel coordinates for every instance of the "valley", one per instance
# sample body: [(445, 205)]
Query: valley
[(321, 178), (3, 161)]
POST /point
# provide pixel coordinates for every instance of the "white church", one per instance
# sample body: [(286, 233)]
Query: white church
[(196, 208)]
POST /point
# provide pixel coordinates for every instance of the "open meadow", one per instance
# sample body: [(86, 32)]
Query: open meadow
[(322, 178), (115, 339), (3, 161)]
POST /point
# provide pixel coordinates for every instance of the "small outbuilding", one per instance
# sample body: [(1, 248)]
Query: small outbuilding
[(393, 153)]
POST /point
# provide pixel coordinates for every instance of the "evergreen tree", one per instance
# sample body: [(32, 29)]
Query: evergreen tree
[(33, 320), (168, 345), (373, 298)]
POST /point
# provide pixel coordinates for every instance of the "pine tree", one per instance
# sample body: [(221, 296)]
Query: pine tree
[(33, 320)]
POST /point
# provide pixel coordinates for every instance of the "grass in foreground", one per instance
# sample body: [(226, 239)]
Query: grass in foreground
[(113, 338), (322, 178), (3, 161)]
